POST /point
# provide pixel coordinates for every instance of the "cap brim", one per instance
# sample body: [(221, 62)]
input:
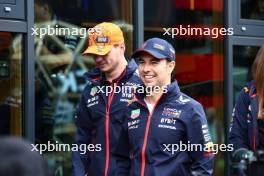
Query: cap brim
[(98, 50), (152, 53)]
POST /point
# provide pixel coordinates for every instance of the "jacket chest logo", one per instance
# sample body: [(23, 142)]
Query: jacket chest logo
[(170, 112), (135, 113), (92, 101), (182, 100), (93, 91)]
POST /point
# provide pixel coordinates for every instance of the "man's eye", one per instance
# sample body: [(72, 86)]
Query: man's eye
[(140, 61), (154, 62)]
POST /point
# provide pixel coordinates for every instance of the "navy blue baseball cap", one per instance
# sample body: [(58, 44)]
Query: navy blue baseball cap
[(158, 48)]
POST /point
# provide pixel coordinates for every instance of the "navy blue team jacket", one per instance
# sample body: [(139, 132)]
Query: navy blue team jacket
[(149, 136), (243, 132), (99, 121)]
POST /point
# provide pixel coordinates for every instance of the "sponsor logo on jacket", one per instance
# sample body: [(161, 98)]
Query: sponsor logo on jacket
[(182, 100), (93, 91), (170, 112), (92, 101), (135, 113)]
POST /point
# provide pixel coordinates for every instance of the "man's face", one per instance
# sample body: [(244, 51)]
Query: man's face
[(42, 12), (38, 11), (111, 61), (153, 71)]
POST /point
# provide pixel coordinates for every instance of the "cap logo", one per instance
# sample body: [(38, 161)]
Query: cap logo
[(100, 48), (102, 39), (158, 46)]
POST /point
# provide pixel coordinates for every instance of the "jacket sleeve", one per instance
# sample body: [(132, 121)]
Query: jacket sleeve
[(238, 126), (122, 152), (84, 125), (198, 133)]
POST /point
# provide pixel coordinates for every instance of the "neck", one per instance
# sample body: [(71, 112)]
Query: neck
[(117, 71), (153, 97)]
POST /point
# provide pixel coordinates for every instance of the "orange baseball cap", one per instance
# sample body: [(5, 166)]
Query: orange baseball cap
[(102, 41)]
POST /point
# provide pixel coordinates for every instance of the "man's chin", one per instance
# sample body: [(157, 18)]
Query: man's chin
[(104, 69), (149, 84)]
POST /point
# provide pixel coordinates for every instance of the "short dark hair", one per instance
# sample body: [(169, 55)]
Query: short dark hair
[(49, 3), (43, 2), (17, 158), (173, 73)]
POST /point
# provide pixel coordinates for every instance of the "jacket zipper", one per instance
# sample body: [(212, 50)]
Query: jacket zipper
[(143, 152), (107, 131), (109, 101)]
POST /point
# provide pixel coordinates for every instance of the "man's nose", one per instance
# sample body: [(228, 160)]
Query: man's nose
[(145, 68), (98, 58)]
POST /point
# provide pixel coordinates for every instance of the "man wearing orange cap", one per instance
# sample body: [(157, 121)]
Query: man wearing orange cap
[(98, 119)]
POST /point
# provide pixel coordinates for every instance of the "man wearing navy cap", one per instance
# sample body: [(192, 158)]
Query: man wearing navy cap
[(161, 126)]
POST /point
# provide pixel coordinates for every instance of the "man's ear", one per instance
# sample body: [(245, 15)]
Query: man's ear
[(123, 47), (172, 65)]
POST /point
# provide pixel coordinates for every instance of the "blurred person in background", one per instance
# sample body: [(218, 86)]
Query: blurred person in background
[(54, 54), (18, 159), (247, 126)]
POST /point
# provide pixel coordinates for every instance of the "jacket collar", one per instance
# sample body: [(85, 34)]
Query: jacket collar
[(252, 89), (95, 75), (173, 90)]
